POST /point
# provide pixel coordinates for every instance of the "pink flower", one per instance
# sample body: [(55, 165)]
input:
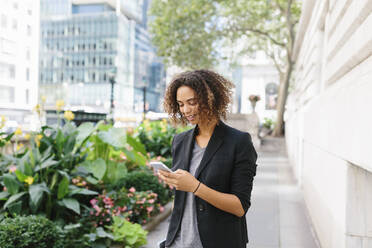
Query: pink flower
[(151, 201), (5, 189), (132, 190), (149, 209), (75, 181), (93, 201), (84, 183), (122, 156), (144, 221), (98, 209), (161, 209), (108, 219), (12, 168), (123, 209)]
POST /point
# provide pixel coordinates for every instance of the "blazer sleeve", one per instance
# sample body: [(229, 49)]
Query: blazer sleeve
[(244, 170)]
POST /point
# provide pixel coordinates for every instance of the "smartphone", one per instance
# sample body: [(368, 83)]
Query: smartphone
[(159, 166)]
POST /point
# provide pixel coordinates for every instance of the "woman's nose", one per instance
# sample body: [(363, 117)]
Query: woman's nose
[(186, 109)]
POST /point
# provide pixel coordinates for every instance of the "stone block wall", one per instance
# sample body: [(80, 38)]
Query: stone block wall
[(329, 119)]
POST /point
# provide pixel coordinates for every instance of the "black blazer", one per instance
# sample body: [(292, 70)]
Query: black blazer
[(228, 166)]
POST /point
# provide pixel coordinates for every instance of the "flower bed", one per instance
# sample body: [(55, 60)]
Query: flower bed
[(93, 181)]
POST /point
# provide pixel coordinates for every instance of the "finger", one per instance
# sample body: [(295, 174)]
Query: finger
[(173, 175), (164, 173), (162, 177)]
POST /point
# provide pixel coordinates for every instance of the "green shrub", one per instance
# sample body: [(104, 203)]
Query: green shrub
[(29, 232), (143, 180), (132, 235)]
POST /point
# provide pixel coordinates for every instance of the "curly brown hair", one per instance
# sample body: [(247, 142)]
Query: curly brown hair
[(213, 92)]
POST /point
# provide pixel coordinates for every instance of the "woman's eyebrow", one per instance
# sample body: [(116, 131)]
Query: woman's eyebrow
[(191, 99)]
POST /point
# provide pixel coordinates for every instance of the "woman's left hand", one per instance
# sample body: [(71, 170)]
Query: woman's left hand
[(180, 179)]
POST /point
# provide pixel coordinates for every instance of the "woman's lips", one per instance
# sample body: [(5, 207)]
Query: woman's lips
[(190, 117)]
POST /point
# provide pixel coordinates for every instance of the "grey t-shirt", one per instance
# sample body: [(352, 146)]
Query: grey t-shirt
[(188, 235)]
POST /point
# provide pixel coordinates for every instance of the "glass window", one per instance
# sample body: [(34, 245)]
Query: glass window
[(6, 94), (27, 96), (28, 53), (14, 24), (3, 21), (28, 74), (28, 30)]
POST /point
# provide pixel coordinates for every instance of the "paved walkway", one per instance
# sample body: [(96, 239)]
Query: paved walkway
[(277, 217)]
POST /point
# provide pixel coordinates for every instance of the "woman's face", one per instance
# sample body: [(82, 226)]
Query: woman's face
[(188, 104)]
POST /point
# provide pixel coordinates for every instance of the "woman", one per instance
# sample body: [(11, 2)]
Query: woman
[(213, 166)]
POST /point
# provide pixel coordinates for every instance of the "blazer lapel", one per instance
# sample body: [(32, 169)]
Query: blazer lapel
[(214, 143)]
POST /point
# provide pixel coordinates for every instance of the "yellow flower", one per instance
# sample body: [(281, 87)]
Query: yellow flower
[(19, 146), (29, 180), (18, 131), (37, 139), (68, 115), (3, 121), (37, 109), (60, 104), (27, 136), (43, 99)]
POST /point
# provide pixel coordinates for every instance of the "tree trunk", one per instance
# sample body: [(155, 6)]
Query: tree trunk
[(282, 98)]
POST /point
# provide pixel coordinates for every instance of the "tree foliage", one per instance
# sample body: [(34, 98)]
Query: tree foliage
[(192, 33)]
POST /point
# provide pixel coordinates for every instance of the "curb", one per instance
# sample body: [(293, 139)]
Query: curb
[(159, 218)]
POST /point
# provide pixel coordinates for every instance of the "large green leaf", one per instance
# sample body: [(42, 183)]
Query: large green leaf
[(72, 204), (115, 137), (102, 234), (84, 131), (36, 194), (97, 167), (4, 195), (11, 183), (21, 177), (63, 188), (59, 141), (137, 146), (135, 156), (13, 199), (46, 163), (15, 208), (74, 190), (115, 171), (69, 143)]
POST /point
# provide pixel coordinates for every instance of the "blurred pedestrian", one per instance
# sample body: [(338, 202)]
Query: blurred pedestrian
[(213, 165)]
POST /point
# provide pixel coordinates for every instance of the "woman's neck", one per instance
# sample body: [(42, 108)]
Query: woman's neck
[(206, 128)]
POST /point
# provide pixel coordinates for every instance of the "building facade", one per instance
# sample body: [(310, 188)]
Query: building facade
[(19, 54), (83, 47), (328, 119), (256, 76), (149, 70)]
